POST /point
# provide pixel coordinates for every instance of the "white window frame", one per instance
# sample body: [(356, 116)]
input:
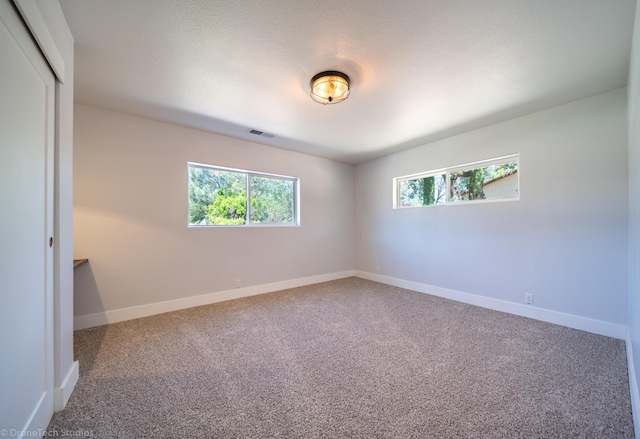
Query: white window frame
[(398, 180), (248, 174), (447, 173)]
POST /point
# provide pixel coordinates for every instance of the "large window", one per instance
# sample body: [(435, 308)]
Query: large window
[(232, 197), (495, 179)]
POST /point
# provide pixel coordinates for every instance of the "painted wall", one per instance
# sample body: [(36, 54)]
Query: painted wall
[(633, 344), (130, 215), (565, 240)]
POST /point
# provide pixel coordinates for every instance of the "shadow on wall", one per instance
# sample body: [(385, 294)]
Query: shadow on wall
[(86, 295)]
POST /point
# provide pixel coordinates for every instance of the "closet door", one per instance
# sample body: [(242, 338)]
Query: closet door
[(27, 111)]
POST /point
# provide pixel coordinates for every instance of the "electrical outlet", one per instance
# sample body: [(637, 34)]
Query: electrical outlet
[(528, 298), (238, 283)]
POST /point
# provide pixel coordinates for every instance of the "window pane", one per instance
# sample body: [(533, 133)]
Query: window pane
[(490, 182), (217, 197), (272, 200), (425, 191)]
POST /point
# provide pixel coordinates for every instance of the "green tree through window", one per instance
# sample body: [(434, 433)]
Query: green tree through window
[(218, 197), (424, 191), (493, 179)]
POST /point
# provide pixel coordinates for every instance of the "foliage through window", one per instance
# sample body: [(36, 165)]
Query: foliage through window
[(488, 180), (228, 197), (423, 191)]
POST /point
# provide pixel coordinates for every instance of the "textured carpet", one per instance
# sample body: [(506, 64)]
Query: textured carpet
[(346, 359)]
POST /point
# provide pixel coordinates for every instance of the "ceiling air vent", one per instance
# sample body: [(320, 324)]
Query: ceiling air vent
[(261, 133)]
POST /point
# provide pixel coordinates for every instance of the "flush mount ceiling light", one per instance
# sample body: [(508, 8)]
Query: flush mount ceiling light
[(330, 87)]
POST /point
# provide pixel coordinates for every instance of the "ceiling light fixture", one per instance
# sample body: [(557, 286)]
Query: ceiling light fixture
[(330, 87)]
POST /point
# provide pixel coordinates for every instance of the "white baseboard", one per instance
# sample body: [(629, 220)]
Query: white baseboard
[(633, 386), (62, 394), (119, 315), (572, 321), (49, 402)]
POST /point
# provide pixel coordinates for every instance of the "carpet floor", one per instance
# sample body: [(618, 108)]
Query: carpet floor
[(346, 359)]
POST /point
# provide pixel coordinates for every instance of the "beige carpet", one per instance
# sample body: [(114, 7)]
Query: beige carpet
[(346, 359)]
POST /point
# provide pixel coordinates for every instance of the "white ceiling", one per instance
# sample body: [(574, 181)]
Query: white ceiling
[(421, 70)]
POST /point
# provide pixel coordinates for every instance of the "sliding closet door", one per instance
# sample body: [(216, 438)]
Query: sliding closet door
[(27, 94)]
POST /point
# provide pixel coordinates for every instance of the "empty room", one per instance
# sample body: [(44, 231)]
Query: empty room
[(320, 220)]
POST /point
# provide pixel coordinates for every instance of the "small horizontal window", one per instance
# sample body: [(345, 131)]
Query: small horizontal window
[(232, 197), (494, 179), (422, 191)]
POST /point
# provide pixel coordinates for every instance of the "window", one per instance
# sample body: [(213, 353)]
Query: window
[(495, 179), (422, 191), (232, 197)]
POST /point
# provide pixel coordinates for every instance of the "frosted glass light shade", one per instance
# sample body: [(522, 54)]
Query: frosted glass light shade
[(330, 87)]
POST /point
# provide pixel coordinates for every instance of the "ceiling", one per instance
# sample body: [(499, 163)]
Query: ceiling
[(421, 70)]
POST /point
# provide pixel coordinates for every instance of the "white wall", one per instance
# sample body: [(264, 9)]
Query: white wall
[(130, 215), (565, 240), (633, 343)]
